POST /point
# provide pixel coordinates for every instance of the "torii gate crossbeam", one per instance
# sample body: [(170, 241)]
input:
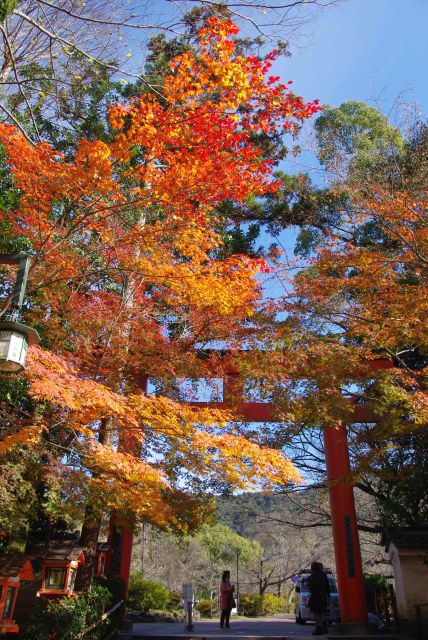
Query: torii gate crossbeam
[(342, 504)]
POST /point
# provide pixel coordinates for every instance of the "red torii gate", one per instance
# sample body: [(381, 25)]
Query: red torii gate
[(341, 495)]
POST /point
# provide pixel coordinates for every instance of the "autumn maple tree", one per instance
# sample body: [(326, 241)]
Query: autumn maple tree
[(127, 282), (361, 295)]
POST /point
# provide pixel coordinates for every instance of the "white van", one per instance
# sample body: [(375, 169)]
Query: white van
[(301, 610)]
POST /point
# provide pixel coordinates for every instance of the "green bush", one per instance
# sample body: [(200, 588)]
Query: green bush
[(116, 587), (114, 584), (144, 595), (375, 582), (62, 619), (98, 599), (250, 604), (253, 604), (67, 618), (272, 604), (175, 600), (206, 608)]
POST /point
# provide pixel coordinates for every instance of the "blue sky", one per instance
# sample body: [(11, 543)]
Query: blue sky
[(364, 48), (353, 50), (369, 50)]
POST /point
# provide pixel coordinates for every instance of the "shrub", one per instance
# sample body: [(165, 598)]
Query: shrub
[(206, 608), (374, 583), (272, 604), (253, 604), (144, 595), (62, 619), (250, 604), (67, 618), (98, 599), (175, 600), (114, 584)]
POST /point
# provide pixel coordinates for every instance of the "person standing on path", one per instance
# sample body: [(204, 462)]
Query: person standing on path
[(319, 588), (226, 599)]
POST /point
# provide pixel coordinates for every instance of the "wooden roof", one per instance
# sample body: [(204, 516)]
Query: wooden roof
[(16, 565), (65, 554), (406, 537)]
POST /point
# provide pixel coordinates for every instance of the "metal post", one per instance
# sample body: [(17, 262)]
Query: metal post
[(187, 592), (237, 580), (143, 546), (344, 524), (23, 262), (189, 626)]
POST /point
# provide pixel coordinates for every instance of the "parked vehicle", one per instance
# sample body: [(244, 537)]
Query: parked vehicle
[(301, 611)]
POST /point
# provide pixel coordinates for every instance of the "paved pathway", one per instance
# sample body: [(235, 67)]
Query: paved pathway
[(283, 628), (249, 627)]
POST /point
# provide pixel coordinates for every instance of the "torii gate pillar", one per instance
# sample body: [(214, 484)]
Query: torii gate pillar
[(344, 524)]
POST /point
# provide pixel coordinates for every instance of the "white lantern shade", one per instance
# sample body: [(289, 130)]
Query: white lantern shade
[(14, 341), (13, 351)]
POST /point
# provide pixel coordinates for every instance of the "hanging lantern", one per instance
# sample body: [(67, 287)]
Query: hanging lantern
[(14, 569), (103, 555), (15, 338), (60, 565)]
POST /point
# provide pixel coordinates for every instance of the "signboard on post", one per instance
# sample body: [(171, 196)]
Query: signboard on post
[(187, 595)]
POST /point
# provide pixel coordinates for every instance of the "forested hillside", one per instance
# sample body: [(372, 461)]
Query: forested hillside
[(247, 513)]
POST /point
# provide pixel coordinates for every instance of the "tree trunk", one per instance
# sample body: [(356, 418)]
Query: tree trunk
[(88, 540), (91, 528)]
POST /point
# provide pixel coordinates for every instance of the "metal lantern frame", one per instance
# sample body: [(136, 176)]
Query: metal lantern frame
[(62, 561), (14, 569), (15, 338)]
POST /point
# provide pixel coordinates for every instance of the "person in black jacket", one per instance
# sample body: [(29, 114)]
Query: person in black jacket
[(319, 588)]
